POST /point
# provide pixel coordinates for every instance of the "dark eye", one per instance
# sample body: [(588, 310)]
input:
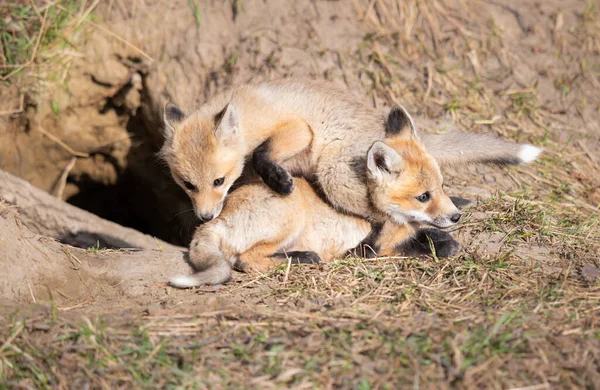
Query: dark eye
[(424, 197), (219, 182), (189, 186)]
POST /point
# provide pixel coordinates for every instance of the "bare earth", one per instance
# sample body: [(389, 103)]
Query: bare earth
[(517, 308)]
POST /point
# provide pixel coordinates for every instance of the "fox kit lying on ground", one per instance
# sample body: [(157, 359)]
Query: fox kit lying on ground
[(305, 128), (258, 227)]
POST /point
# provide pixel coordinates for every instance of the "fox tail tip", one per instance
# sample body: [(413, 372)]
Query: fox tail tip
[(184, 281), (215, 275), (529, 153)]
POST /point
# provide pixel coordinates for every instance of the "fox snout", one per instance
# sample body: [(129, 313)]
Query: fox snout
[(208, 214), (205, 217), (447, 220)]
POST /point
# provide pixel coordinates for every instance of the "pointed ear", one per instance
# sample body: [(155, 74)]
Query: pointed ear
[(400, 123), (227, 128), (383, 160), (172, 116)]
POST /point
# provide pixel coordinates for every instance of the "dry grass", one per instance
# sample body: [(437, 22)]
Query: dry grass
[(37, 42), (469, 322), (521, 316)]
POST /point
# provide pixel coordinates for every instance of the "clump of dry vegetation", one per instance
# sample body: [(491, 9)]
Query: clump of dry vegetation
[(518, 308), (37, 42), (470, 322)]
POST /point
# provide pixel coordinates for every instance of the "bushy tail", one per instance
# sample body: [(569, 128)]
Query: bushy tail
[(219, 273), (206, 258), (458, 148)]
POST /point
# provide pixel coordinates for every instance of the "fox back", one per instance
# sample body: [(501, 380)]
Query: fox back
[(207, 150)]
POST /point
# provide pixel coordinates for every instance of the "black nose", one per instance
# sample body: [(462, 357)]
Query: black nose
[(455, 218), (206, 217)]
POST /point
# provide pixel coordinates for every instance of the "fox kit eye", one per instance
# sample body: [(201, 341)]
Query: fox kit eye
[(424, 197), (189, 186), (219, 182)]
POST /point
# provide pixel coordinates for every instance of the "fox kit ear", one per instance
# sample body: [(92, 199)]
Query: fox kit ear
[(383, 160), (172, 116), (227, 128), (400, 123)]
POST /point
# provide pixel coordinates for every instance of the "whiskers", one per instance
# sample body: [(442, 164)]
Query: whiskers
[(189, 222), (179, 213)]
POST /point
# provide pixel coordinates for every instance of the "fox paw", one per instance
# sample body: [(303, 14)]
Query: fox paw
[(299, 257), (279, 180), (443, 244)]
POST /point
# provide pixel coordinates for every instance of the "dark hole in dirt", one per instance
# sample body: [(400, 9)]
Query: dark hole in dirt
[(144, 196), (92, 240), (122, 203)]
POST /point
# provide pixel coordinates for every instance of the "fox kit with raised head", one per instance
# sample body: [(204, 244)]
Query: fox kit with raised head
[(304, 128), (258, 228)]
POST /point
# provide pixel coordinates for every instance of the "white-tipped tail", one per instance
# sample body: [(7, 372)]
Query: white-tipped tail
[(458, 148), (218, 274), (184, 281), (528, 153)]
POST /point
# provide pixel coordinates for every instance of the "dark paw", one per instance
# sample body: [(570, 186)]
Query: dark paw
[(447, 248), (241, 266), (443, 244), (299, 257), (279, 180), (274, 176)]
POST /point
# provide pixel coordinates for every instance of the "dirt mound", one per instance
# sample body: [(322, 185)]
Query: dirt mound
[(48, 270)]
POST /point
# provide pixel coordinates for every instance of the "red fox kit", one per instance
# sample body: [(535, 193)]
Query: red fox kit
[(305, 128), (258, 228)]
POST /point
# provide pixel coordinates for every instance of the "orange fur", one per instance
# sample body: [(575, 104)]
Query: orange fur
[(258, 223), (258, 257), (290, 138), (315, 130), (418, 173), (392, 235)]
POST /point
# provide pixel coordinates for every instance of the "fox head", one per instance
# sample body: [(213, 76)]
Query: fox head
[(205, 155), (405, 182)]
